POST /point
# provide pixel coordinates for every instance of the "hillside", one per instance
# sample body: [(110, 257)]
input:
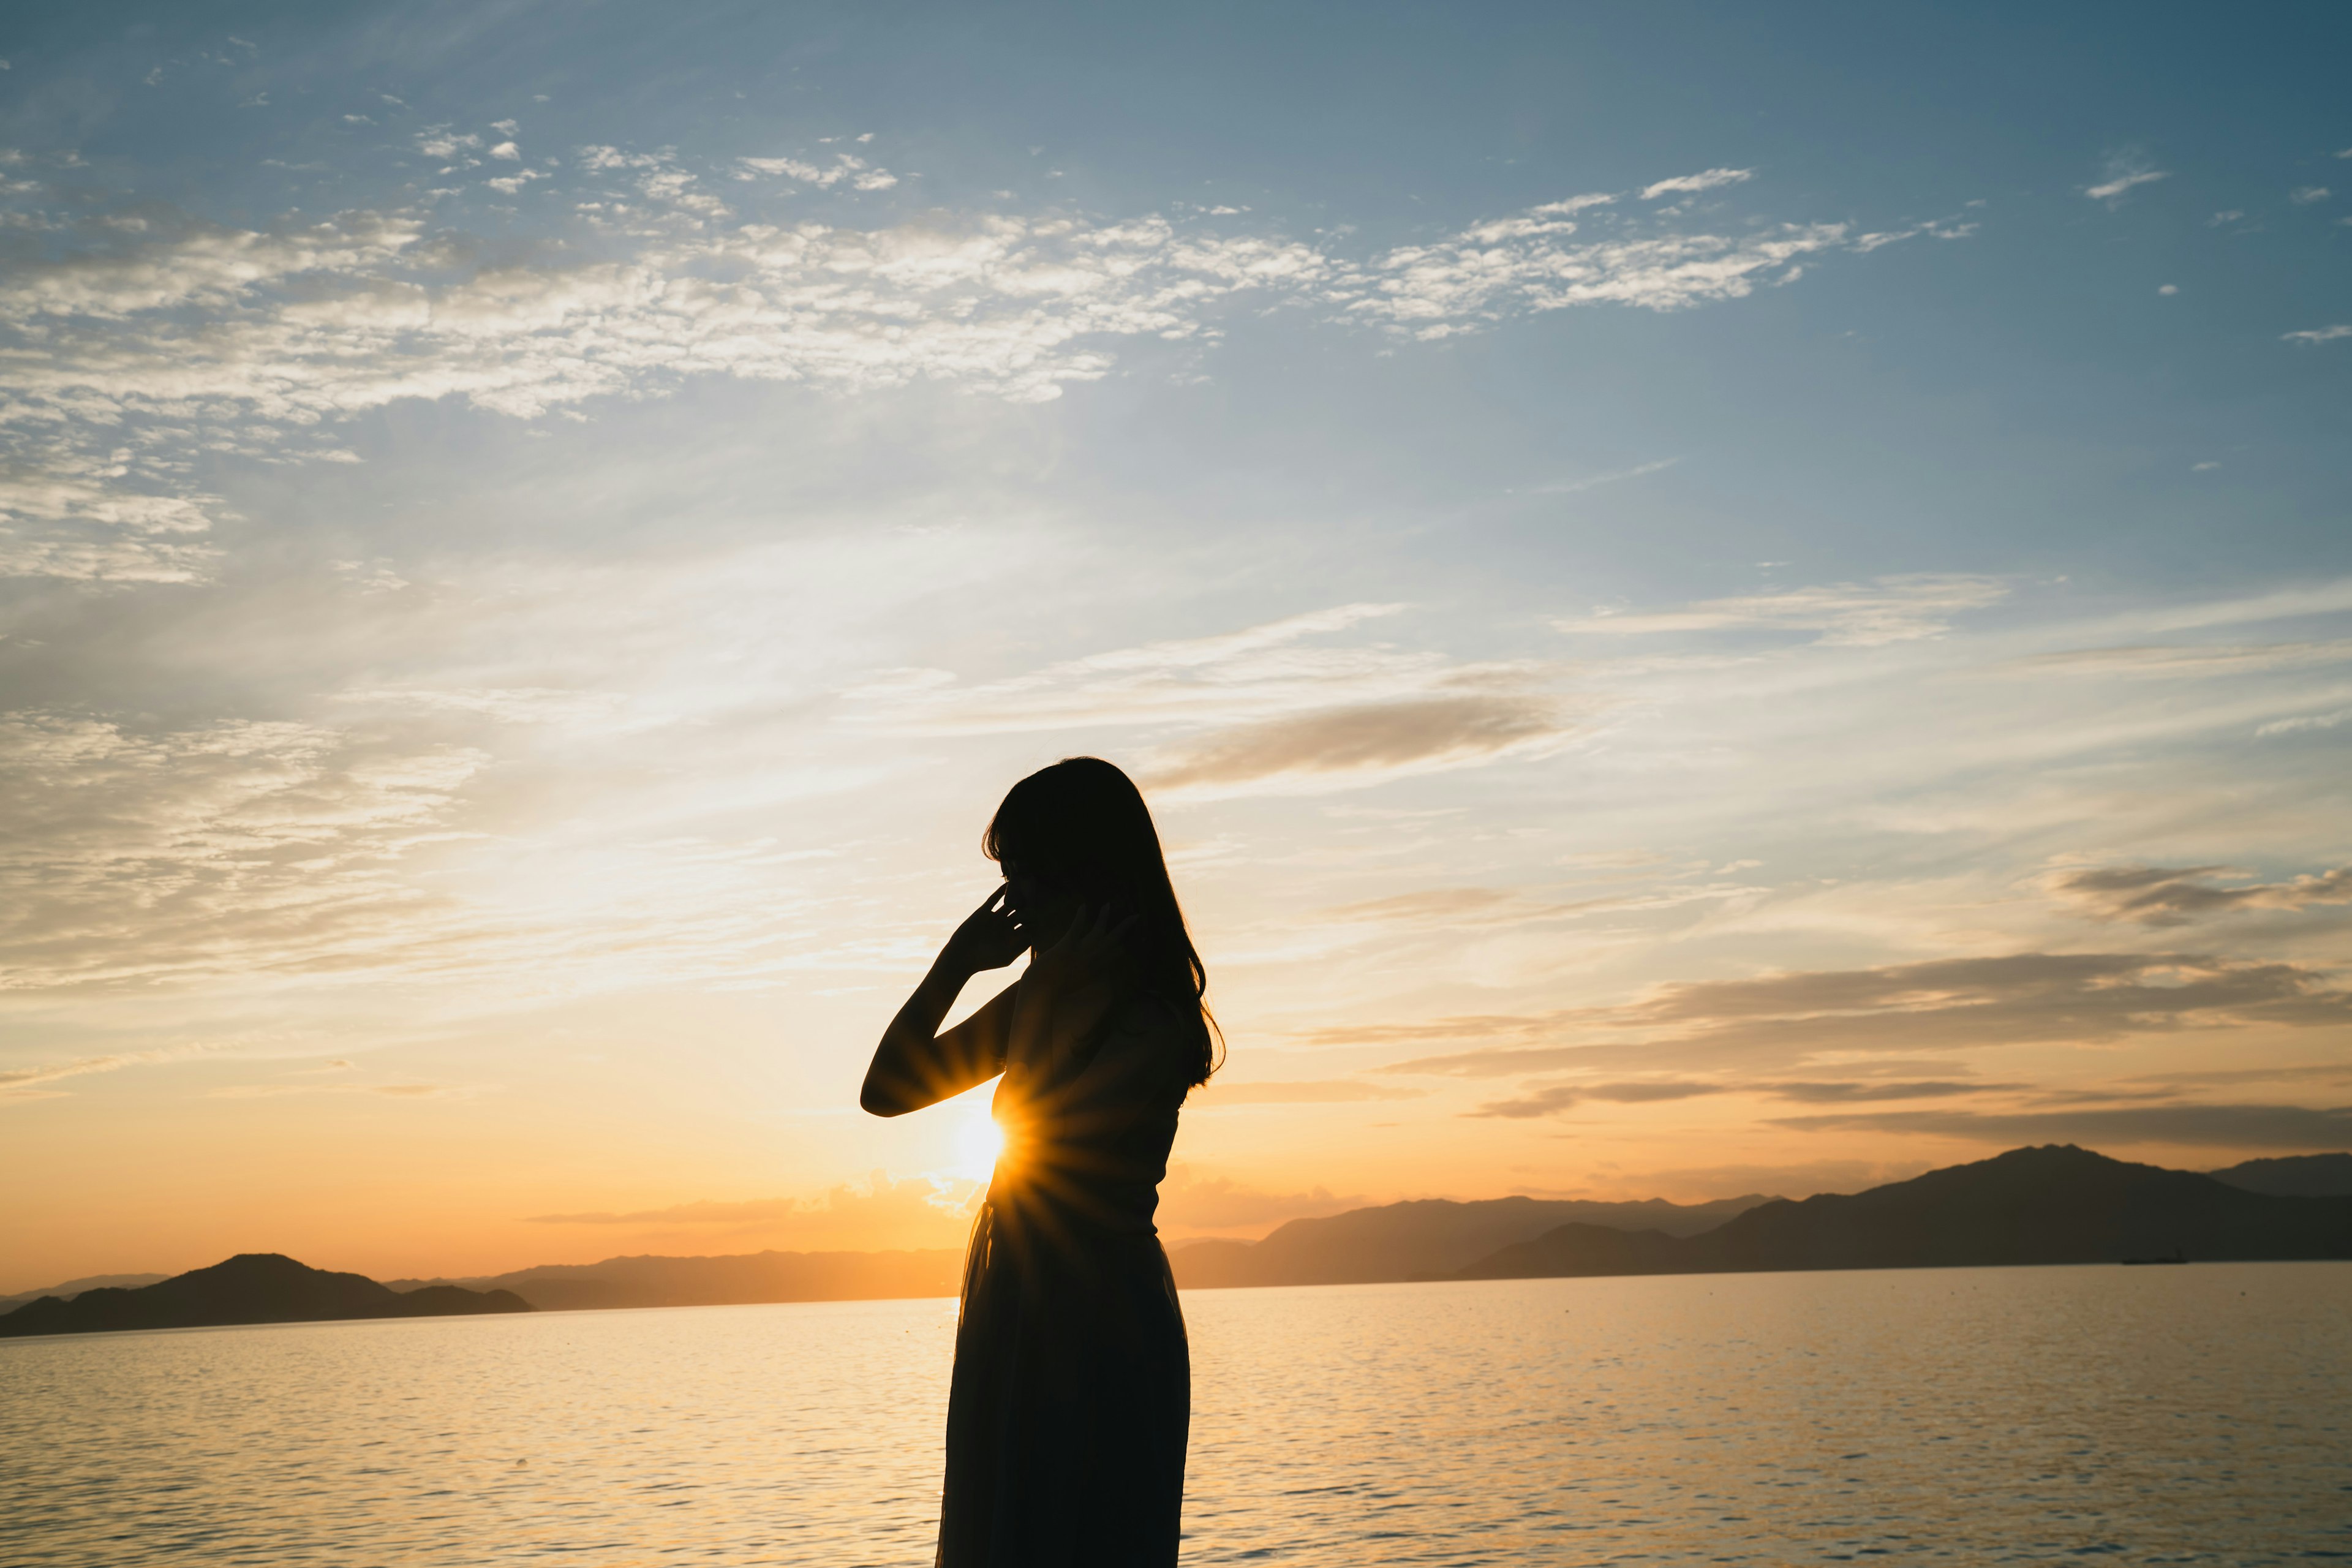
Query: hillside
[(73, 1288), (251, 1288), (2292, 1176), (1426, 1239), (2056, 1203), (738, 1279)]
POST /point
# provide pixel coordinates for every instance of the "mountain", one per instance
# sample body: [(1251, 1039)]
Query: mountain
[(251, 1288), (1426, 1239), (2056, 1203), (653, 1281), (2292, 1176), (73, 1288)]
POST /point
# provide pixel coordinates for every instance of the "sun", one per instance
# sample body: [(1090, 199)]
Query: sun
[(978, 1142)]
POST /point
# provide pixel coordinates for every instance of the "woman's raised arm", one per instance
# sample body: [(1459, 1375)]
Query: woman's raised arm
[(915, 1064)]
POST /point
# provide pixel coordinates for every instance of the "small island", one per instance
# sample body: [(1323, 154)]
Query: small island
[(251, 1288)]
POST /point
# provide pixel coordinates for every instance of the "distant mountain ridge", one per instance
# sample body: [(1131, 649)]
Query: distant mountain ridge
[(73, 1288), (2292, 1176), (737, 1280), (1427, 1238), (251, 1288), (2055, 1204)]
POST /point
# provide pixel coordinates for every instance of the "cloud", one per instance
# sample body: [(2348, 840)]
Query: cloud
[(854, 171), (1218, 1093), (1271, 709), (2176, 895), (2318, 334), (130, 855), (1787, 1019), (141, 338), (2304, 196), (1691, 183), (1556, 1097), (2303, 722), (1363, 745), (21, 1083), (2186, 660), (2204, 1126), (1886, 610), (2125, 171)]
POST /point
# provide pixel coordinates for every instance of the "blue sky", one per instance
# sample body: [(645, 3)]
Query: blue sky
[(1711, 600)]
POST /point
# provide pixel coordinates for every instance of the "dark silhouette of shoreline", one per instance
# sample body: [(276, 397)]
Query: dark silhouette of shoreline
[(251, 1288), (2056, 1203), (740, 1279), (1428, 1239)]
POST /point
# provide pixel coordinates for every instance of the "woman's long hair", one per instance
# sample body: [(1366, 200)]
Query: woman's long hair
[(1082, 824)]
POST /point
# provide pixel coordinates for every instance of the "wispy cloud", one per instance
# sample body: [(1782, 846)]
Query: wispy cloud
[(2125, 171), (2318, 334), (2173, 896), (1332, 749), (1270, 709), (1789, 1019), (1689, 184), (1887, 610), (134, 855), (136, 329), (2187, 659)]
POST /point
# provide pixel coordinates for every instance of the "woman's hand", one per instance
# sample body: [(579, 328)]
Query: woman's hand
[(987, 939)]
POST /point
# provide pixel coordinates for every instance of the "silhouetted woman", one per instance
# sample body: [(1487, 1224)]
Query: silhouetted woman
[(1072, 1387)]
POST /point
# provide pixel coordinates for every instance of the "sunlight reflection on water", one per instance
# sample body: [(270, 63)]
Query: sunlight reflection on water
[(2191, 1414)]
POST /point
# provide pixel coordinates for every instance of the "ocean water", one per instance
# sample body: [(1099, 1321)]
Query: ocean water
[(2187, 1415)]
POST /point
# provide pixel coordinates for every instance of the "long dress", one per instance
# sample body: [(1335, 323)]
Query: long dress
[(1067, 1416)]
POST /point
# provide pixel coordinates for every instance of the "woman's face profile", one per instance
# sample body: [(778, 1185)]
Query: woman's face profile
[(1039, 905)]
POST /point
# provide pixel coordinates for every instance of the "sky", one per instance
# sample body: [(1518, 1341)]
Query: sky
[(1708, 600)]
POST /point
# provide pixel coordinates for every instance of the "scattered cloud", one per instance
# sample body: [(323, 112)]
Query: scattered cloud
[(142, 338), (2163, 659), (132, 856), (1554, 1099), (844, 169), (2303, 723), (1339, 747), (1270, 709), (1886, 610), (2125, 171), (2293, 1127), (1788, 1019), (1688, 184), (2172, 896), (2304, 196), (2318, 334)]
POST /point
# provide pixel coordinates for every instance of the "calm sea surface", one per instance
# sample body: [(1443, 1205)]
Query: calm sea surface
[(2193, 1414)]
